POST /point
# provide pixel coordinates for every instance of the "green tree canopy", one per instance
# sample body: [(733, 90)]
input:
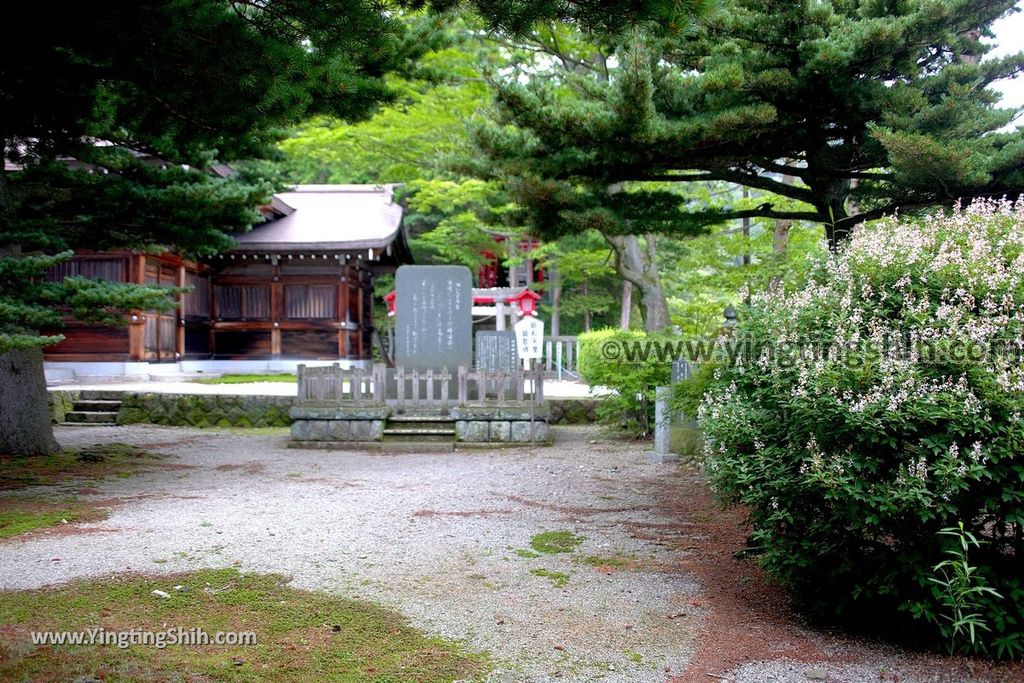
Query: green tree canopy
[(871, 106)]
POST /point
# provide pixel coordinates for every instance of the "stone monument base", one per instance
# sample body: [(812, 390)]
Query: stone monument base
[(337, 423), (501, 425), (654, 456)]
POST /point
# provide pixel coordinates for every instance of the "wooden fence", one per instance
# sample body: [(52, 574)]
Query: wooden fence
[(420, 389), (331, 383)]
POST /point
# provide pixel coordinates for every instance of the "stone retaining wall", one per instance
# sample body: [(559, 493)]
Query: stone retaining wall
[(61, 403), (227, 410), (573, 411), (205, 410)]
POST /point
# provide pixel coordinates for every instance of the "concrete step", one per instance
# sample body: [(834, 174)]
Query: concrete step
[(421, 423), (404, 429), (417, 436), (424, 427), (377, 446), (421, 417), (101, 395), (97, 406), (91, 417), (417, 446)]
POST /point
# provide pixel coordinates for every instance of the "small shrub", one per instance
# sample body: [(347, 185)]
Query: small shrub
[(617, 359), (853, 462)]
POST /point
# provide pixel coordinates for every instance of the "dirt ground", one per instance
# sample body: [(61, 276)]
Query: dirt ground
[(652, 591)]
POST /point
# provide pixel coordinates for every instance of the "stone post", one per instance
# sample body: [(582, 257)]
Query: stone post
[(661, 452)]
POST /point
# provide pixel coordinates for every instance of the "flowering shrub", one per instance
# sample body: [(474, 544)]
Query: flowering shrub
[(879, 405)]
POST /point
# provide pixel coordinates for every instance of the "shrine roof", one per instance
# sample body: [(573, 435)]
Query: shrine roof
[(327, 218)]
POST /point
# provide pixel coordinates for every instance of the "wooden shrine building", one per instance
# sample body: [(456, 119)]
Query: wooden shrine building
[(297, 286)]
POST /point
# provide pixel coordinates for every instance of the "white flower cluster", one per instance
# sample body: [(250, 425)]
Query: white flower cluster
[(942, 298)]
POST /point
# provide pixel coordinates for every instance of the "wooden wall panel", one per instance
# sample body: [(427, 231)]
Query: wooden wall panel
[(241, 344), (311, 344), (97, 339)]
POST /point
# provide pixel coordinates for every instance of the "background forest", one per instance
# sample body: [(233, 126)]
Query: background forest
[(427, 141)]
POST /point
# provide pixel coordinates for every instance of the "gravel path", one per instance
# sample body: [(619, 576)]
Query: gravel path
[(441, 538), (434, 536)]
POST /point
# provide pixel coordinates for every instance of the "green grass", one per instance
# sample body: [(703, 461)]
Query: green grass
[(247, 379), (31, 508), (301, 635), (558, 579), (93, 462), (37, 515), (524, 553), (554, 542)]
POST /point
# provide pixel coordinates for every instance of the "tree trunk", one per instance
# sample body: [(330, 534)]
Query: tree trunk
[(627, 305), (25, 427), (780, 244), (556, 303), (586, 310), (745, 222), (637, 264), (834, 205)]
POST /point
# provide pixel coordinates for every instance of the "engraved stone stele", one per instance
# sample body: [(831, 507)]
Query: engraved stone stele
[(496, 351), (433, 317)]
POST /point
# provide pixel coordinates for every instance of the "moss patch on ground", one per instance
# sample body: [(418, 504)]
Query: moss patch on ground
[(554, 542), (558, 579), (301, 635), (21, 516), (617, 561), (24, 509), (246, 379), (93, 462)]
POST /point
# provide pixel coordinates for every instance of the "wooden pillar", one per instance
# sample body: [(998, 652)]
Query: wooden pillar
[(344, 314), (359, 308), (179, 326), (276, 314), (212, 315), (137, 327)]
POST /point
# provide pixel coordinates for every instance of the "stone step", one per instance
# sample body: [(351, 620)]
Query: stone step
[(101, 395), (421, 417), (91, 417), (378, 446), (97, 406), (414, 436), (421, 426), (417, 446), (430, 431)]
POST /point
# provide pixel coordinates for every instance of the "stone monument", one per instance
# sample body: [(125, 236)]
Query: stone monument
[(433, 317), (496, 351)]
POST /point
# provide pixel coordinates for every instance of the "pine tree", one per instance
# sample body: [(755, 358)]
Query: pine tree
[(872, 106), (109, 115), (111, 112)]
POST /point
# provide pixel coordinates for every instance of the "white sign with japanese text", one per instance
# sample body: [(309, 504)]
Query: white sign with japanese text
[(530, 337)]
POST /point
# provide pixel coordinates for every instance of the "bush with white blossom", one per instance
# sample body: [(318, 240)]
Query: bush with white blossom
[(879, 405)]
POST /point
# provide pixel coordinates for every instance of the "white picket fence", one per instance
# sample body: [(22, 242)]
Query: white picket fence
[(560, 357)]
